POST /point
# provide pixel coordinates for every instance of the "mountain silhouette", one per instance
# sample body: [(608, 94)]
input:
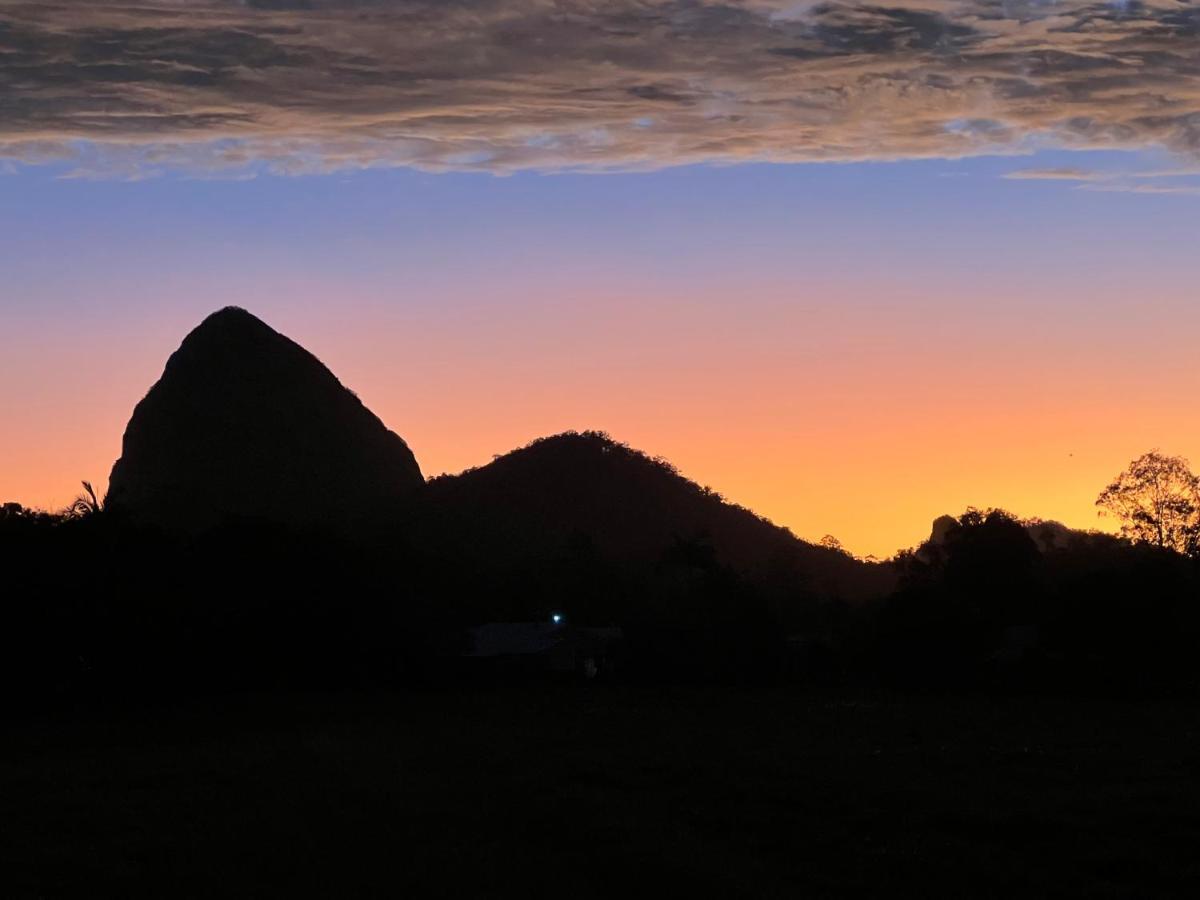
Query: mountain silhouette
[(588, 489), (246, 424)]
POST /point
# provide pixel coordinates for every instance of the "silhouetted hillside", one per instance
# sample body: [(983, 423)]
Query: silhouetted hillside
[(586, 494), (252, 454), (245, 423)]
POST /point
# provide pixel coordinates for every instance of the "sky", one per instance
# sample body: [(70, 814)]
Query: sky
[(852, 266)]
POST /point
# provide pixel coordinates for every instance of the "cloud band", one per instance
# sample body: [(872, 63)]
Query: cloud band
[(315, 85)]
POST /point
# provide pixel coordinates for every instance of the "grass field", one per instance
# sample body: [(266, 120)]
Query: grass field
[(566, 792)]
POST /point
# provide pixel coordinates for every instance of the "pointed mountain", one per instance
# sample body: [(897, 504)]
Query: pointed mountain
[(245, 423)]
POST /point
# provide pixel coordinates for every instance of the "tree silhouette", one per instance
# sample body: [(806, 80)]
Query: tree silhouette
[(1157, 501), (85, 504)]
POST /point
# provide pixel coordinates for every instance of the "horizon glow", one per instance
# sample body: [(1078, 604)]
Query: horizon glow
[(849, 348)]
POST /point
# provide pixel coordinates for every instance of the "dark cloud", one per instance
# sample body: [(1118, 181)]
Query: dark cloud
[(303, 85)]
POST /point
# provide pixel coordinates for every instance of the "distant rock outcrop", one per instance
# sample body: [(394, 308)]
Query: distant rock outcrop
[(942, 526), (247, 424), (1046, 533)]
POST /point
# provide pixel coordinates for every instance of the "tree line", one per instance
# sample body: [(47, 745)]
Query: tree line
[(95, 604)]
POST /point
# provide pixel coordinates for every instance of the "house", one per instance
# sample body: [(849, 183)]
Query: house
[(553, 646)]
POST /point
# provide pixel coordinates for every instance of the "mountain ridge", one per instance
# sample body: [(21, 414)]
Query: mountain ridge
[(631, 505), (247, 424)]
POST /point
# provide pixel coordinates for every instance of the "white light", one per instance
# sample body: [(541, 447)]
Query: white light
[(556, 618)]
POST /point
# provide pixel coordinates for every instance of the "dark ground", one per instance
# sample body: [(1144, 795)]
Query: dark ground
[(580, 792)]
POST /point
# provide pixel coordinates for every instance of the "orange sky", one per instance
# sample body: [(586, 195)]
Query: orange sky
[(828, 428), (850, 350)]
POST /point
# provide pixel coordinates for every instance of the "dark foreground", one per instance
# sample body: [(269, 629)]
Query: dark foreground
[(541, 791)]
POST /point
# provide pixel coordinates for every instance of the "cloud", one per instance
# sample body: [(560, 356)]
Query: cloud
[(1116, 181), (230, 86), (1124, 187), (1065, 173)]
